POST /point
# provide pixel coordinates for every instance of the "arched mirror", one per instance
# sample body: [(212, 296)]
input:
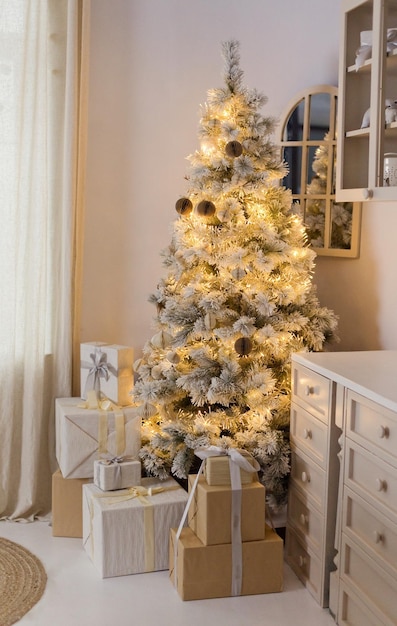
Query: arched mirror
[(308, 140)]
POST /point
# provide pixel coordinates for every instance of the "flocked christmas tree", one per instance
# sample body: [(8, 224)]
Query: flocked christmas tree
[(236, 301)]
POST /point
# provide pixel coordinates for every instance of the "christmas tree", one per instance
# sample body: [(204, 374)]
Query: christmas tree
[(236, 301)]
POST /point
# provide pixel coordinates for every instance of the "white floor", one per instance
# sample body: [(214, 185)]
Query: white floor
[(76, 596)]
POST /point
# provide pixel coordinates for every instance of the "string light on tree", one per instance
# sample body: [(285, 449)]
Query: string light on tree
[(236, 299)]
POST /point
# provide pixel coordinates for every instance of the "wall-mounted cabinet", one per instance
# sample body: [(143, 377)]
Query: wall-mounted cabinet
[(367, 78)]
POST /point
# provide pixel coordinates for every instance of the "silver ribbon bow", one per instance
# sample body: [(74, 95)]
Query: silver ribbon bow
[(99, 369)]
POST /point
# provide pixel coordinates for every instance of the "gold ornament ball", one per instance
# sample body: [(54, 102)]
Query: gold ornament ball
[(184, 206), (238, 273), (173, 357), (210, 321), (243, 346), (205, 208), (156, 372), (161, 340), (233, 149)]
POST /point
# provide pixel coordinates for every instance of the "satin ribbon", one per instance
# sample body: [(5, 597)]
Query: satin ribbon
[(142, 493), (102, 404), (98, 368), (236, 461), (235, 455)]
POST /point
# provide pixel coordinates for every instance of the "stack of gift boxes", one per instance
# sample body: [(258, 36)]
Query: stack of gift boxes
[(98, 424), (213, 538), (98, 493), (226, 549)]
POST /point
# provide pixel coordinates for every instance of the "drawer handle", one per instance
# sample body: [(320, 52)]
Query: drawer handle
[(301, 561), (309, 390), (307, 433), (381, 485), (305, 477), (383, 432), (378, 537), (304, 519)]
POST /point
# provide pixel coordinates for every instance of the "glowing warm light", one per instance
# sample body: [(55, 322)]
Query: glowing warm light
[(207, 148)]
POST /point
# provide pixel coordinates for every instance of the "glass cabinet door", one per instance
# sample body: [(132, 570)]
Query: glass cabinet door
[(367, 113)]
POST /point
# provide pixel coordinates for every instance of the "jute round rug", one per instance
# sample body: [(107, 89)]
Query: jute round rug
[(22, 581)]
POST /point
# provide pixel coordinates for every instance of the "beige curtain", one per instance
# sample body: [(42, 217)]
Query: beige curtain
[(43, 65)]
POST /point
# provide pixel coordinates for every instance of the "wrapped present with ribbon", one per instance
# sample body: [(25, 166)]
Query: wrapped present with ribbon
[(217, 465), (85, 432), (127, 531), (107, 368), (210, 511), (119, 472), (207, 571), (233, 519)]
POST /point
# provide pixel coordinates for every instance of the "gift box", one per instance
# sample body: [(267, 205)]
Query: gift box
[(83, 434), (127, 531), (117, 474), (67, 516), (210, 512), (107, 368), (217, 470), (206, 571)]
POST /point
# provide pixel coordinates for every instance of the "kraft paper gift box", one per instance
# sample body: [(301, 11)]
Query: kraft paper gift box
[(210, 512), (79, 433), (107, 368), (129, 534), (206, 571), (117, 474), (67, 515), (217, 470)]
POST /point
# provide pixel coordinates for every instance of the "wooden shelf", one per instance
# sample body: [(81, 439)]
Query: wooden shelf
[(366, 66), (364, 132), (359, 132)]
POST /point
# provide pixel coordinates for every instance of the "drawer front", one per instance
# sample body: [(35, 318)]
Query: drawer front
[(309, 434), (373, 479), (309, 477), (312, 391), (305, 564), (352, 612), (372, 426), (369, 581), (375, 533), (307, 522)]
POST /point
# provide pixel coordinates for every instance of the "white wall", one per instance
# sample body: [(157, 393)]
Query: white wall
[(152, 62)]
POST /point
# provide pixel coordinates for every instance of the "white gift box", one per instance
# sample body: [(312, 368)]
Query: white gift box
[(107, 368), (127, 533), (116, 474), (79, 435)]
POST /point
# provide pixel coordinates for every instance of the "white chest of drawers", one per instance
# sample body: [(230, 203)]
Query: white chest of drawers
[(313, 486), (363, 585)]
